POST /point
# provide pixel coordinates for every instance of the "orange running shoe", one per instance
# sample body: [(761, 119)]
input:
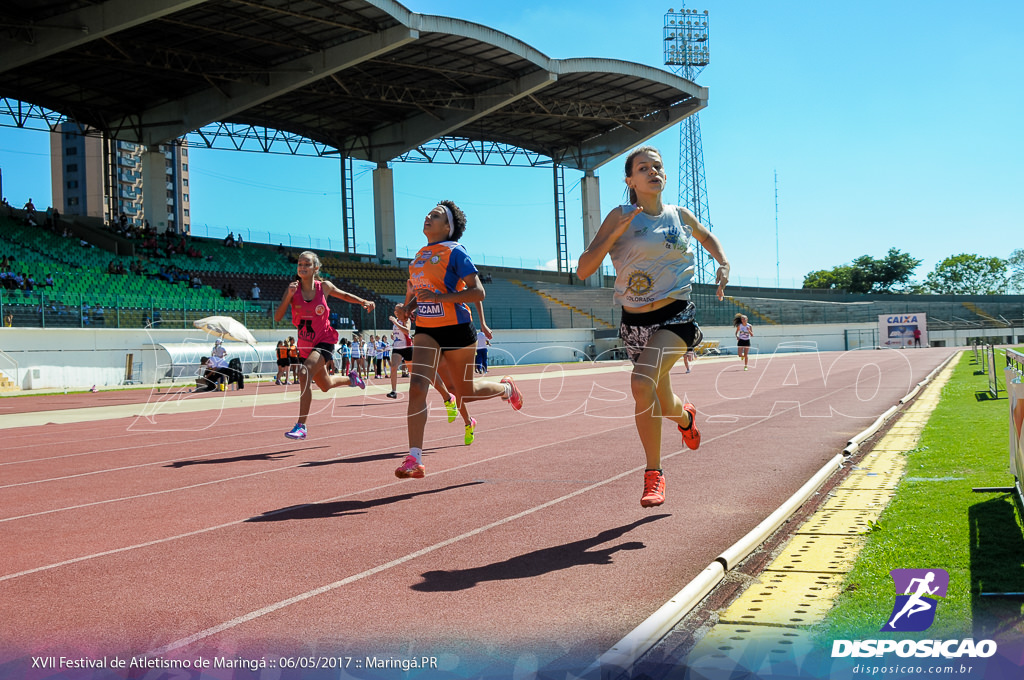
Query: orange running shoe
[(410, 467), (691, 435), (516, 398), (654, 488)]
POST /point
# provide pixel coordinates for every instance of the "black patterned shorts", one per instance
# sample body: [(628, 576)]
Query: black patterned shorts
[(679, 317)]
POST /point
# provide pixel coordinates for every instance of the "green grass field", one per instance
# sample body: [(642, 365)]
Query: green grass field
[(936, 520)]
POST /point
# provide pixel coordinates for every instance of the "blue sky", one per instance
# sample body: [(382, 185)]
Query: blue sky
[(890, 124)]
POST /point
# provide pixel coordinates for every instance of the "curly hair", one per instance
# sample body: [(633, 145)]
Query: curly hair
[(459, 228)]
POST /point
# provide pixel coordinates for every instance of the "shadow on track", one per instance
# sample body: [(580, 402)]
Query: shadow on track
[(344, 508), (538, 562)]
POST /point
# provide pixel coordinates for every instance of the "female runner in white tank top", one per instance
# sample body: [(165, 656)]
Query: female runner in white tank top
[(649, 243)]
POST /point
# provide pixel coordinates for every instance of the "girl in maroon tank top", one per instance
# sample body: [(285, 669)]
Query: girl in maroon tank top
[(307, 299)]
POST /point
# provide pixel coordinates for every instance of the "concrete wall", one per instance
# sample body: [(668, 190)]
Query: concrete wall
[(78, 358), (81, 357)]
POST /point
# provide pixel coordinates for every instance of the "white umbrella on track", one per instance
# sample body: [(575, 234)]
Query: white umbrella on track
[(229, 328)]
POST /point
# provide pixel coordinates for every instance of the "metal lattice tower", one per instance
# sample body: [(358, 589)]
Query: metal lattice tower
[(686, 52), (348, 209)]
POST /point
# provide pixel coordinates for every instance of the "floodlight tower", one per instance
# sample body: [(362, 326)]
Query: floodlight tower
[(686, 51)]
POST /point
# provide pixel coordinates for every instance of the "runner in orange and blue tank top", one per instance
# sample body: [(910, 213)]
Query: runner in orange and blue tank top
[(443, 282), (307, 298)]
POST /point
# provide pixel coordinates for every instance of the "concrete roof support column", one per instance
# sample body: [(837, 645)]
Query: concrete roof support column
[(154, 190), (591, 189), (384, 213)]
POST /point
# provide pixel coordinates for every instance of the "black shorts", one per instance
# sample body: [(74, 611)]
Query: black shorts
[(326, 350), (404, 352), (678, 317), (283, 362), (457, 336), (743, 343)]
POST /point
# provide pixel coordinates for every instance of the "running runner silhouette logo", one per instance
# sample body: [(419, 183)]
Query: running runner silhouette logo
[(914, 610)]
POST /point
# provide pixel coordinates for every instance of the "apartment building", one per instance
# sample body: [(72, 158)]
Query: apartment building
[(97, 176)]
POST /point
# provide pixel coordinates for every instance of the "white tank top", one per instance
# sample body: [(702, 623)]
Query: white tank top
[(653, 259)]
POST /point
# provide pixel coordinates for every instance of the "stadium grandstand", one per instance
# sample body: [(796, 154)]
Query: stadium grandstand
[(513, 104), (83, 257)]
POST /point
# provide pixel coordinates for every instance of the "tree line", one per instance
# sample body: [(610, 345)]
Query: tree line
[(963, 274)]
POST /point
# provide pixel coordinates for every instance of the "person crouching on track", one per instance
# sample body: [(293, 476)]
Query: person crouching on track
[(649, 243), (443, 282), (307, 298)]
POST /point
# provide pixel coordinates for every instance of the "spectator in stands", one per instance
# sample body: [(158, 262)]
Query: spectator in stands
[(649, 244), (239, 242), (255, 292), (8, 319), (744, 331), (98, 315), (48, 282), (229, 240), (196, 281), (146, 322), (307, 298), (30, 283), (30, 213), (443, 281)]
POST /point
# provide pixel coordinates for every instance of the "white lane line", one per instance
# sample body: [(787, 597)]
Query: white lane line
[(230, 479), (270, 609), (289, 509)]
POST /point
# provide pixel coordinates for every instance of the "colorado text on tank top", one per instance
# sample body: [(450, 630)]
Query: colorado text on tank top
[(653, 259)]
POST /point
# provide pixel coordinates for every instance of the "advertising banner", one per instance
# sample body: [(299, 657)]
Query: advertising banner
[(902, 330), (1015, 395)]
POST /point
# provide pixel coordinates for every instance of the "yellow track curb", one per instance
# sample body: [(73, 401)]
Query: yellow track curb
[(797, 589)]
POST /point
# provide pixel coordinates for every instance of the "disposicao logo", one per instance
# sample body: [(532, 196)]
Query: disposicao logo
[(917, 591), (915, 606)]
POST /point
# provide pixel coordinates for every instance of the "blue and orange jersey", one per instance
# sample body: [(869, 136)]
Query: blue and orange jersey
[(440, 267)]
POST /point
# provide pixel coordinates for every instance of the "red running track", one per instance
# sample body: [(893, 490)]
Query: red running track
[(208, 535)]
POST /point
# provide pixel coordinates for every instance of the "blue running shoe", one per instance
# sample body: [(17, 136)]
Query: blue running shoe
[(297, 432)]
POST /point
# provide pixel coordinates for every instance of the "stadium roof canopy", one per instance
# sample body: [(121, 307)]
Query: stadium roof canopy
[(366, 77)]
